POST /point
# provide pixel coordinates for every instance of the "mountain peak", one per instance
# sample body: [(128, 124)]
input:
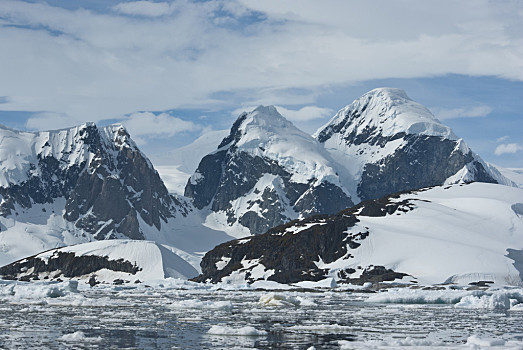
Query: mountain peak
[(389, 93), (266, 117), (384, 112), (259, 125)]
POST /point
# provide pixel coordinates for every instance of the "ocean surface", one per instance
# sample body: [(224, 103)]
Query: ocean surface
[(185, 316)]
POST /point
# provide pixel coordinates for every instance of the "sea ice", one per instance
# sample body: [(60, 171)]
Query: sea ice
[(242, 331), (78, 336)]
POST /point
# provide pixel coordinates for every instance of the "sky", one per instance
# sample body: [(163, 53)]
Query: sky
[(171, 71)]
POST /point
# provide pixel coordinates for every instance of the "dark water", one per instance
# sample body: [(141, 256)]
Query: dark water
[(180, 319)]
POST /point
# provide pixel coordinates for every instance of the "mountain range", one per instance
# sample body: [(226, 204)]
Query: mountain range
[(89, 183)]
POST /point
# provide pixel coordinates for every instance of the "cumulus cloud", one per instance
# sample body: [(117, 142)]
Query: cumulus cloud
[(508, 148), (182, 54), (473, 112), (143, 8), (147, 124)]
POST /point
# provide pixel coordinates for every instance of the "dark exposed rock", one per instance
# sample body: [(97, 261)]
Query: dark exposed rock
[(67, 264), (424, 161), (376, 274), (292, 249)]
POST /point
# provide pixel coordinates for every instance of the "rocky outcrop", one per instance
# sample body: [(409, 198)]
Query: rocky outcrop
[(292, 252), (107, 184), (63, 265), (258, 179), (423, 161)]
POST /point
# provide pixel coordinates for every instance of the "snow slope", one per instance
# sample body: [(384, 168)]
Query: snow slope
[(445, 234), (152, 261), (176, 167), (515, 175), (267, 134), (455, 234)]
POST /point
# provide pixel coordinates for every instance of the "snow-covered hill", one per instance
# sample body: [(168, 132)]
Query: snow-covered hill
[(446, 234), (264, 173), (390, 143), (103, 261)]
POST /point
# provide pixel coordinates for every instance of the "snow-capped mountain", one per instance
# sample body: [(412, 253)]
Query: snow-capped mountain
[(447, 234), (109, 261), (76, 185), (264, 173), (390, 143)]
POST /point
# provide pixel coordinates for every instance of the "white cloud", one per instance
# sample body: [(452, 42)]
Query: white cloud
[(306, 113), (143, 8), (50, 121), (508, 148), (502, 138), (472, 112), (95, 66), (147, 124)]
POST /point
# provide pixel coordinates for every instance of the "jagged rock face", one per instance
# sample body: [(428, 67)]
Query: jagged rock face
[(422, 162), (107, 183), (289, 253), (257, 179), (391, 143)]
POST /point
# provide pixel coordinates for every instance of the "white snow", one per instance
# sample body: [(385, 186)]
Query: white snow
[(514, 175), (391, 111), (176, 166), (267, 134), (387, 112), (460, 231)]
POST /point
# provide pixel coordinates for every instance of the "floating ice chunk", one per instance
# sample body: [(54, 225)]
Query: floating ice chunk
[(322, 329), (417, 296), (44, 290), (391, 344), (242, 331), (475, 340), (79, 336), (198, 304), (273, 299), (325, 283), (498, 300)]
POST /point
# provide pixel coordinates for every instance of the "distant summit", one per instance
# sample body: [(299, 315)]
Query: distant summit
[(75, 185), (264, 173), (390, 143), (380, 113)]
